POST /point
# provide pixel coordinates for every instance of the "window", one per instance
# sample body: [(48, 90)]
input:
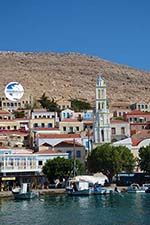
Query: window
[(42, 124), (15, 127), (35, 125), (113, 130), (120, 114), (87, 144), (123, 130), (78, 154), (99, 93), (77, 128), (40, 163), (70, 154), (49, 125), (35, 117), (64, 128), (71, 129), (102, 134)]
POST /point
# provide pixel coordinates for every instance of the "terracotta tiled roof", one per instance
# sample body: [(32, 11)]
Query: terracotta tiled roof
[(118, 121), (4, 112), (140, 136), (57, 136), (17, 132), (69, 143), (135, 142), (69, 120), (137, 112), (45, 128), (88, 121), (48, 152)]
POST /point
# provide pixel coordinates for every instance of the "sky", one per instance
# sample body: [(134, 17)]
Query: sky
[(114, 30)]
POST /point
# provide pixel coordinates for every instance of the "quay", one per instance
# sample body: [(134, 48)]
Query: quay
[(8, 194)]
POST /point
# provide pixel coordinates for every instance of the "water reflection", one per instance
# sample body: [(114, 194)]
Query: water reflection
[(124, 209)]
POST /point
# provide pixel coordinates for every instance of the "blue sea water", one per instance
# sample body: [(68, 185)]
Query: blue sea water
[(118, 209)]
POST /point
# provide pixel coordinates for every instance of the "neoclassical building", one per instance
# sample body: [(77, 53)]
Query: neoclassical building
[(102, 130)]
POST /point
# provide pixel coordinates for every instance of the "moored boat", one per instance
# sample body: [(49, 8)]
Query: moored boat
[(78, 188), (24, 192), (135, 188)]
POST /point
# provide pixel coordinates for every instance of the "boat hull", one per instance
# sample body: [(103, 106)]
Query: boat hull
[(79, 193), (24, 196)]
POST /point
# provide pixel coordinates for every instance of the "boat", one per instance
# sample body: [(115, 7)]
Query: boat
[(97, 189), (147, 190), (78, 188), (146, 186), (24, 192), (135, 188)]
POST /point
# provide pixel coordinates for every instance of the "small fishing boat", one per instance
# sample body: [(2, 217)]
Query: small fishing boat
[(147, 190), (97, 189), (24, 192), (135, 188), (78, 188)]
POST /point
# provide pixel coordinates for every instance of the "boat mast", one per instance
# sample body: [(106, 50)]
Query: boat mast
[(74, 159)]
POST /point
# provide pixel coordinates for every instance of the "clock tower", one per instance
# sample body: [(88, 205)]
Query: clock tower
[(102, 120)]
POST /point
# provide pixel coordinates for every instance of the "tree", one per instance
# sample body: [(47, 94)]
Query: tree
[(59, 168), (50, 105), (79, 105), (19, 114), (144, 161), (44, 101), (110, 160)]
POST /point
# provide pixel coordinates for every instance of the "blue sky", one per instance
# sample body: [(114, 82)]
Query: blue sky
[(115, 30)]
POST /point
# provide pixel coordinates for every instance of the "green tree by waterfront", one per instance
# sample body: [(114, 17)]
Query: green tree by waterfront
[(110, 160), (144, 161), (59, 168), (79, 105)]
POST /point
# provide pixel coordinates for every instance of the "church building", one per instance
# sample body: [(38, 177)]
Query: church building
[(102, 130)]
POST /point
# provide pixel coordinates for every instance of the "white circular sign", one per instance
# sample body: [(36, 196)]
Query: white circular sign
[(14, 91)]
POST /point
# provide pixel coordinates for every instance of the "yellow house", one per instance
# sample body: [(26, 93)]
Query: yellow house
[(42, 123), (70, 126)]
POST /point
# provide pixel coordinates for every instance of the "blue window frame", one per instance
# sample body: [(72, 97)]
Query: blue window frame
[(78, 154)]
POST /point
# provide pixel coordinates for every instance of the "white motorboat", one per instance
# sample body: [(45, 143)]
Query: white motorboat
[(135, 188), (24, 192), (78, 188)]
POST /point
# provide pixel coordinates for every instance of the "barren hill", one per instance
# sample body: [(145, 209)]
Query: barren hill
[(72, 75)]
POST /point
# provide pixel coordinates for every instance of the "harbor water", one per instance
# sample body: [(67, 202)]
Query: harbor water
[(116, 209)]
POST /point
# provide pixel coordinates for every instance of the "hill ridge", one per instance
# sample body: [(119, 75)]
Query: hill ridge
[(72, 75)]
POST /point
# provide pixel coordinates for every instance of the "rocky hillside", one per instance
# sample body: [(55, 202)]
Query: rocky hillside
[(72, 75)]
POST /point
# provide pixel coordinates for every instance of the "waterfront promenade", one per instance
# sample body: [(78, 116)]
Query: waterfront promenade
[(5, 194)]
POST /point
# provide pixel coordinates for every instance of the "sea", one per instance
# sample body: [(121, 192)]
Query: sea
[(115, 209)]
